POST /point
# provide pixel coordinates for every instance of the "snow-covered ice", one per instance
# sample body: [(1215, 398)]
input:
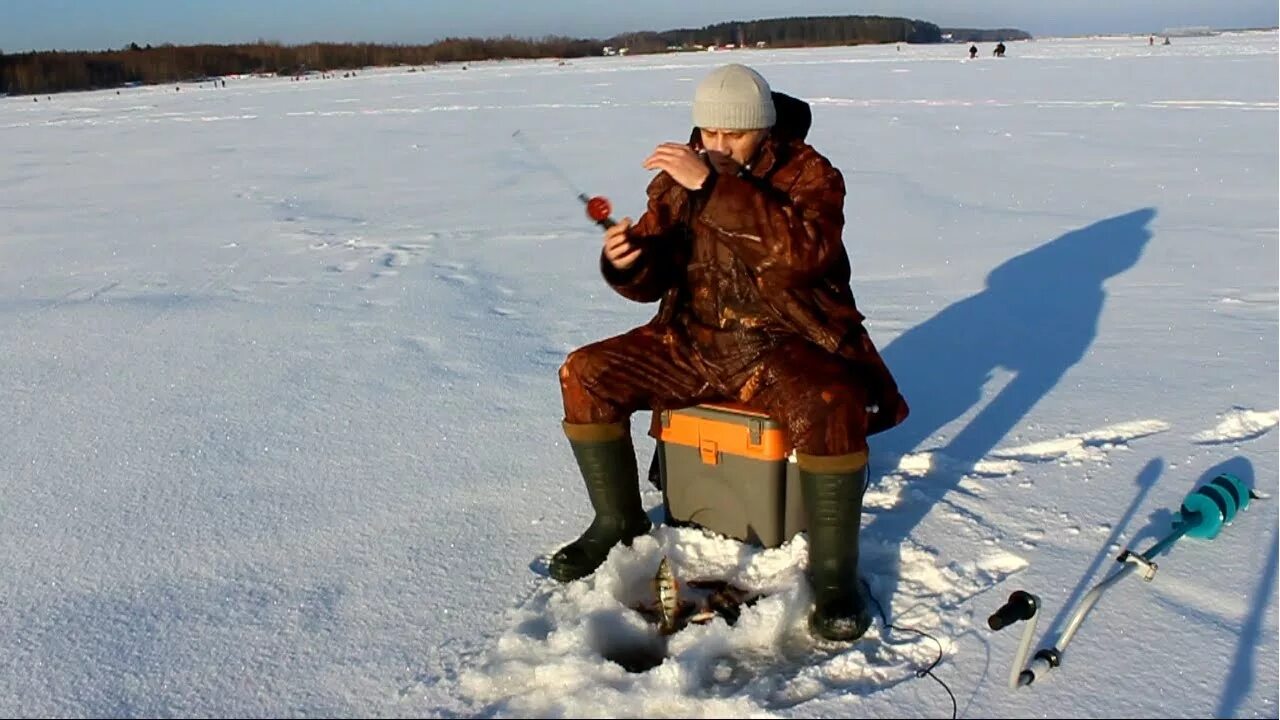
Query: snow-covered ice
[(281, 420)]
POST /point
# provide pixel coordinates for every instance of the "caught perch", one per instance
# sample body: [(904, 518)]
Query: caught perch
[(673, 613)]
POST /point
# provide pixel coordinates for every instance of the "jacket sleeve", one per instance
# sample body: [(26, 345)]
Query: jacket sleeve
[(656, 233), (790, 237)]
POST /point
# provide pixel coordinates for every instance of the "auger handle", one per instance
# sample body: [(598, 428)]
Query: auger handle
[(1022, 605)]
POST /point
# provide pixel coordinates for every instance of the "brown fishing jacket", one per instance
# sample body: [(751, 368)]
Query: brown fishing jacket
[(783, 216)]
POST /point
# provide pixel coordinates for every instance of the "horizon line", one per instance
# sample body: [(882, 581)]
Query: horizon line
[(535, 38), (1171, 32)]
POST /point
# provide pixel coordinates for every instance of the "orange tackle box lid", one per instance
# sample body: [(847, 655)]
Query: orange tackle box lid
[(715, 428)]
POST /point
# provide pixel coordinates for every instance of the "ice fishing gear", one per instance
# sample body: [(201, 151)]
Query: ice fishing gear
[(599, 208), (1202, 515)]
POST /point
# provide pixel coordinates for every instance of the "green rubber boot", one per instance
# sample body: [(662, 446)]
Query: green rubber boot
[(833, 502), (607, 460)]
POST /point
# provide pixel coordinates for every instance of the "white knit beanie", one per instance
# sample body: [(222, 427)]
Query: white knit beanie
[(733, 97)]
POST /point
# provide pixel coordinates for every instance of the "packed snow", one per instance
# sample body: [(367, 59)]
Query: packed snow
[(281, 428)]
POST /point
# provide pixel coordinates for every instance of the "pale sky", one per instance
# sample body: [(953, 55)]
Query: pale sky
[(101, 24)]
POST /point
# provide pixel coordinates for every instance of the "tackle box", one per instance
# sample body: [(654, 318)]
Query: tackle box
[(728, 469)]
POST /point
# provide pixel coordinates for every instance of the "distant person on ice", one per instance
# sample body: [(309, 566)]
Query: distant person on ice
[(742, 244), (999, 51), (973, 51)]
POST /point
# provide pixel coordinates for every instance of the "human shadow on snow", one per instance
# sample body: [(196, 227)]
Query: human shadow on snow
[(1036, 318)]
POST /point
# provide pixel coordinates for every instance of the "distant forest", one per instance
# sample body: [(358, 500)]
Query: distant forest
[(46, 72), (969, 35), (788, 32), (55, 71)]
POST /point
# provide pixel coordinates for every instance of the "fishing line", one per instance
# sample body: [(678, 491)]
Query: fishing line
[(884, 619), (599, 208)]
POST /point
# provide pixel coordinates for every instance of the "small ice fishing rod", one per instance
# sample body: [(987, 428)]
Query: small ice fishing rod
[(599, 208), (1202, 515)]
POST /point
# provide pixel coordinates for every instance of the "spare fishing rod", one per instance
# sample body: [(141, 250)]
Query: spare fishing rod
[(599, 209), (1202, 515)]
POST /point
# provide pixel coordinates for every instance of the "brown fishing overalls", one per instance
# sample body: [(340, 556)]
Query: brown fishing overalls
[(756, 308)]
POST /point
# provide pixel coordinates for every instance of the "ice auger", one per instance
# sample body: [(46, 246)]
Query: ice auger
[(1202, 515)]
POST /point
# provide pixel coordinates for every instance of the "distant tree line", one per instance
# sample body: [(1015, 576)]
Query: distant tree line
[(55, 71), (969, 35), (45, 72), (789, 32)]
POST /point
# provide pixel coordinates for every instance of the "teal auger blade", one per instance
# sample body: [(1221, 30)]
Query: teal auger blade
[(1213, 505)]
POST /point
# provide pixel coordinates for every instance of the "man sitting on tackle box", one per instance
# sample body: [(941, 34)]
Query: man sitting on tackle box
[(741, 242)]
